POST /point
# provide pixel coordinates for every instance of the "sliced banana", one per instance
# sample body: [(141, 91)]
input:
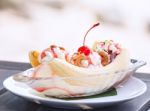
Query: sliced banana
[(33, 57)]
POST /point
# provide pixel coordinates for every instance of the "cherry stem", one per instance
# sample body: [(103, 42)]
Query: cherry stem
[(95, 25)]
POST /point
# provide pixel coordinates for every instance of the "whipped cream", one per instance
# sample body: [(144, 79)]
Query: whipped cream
[(48, 57), (84, 63), (61, 54), (95, 58)]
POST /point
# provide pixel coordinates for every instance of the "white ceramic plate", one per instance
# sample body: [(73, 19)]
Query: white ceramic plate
[(130, 90)]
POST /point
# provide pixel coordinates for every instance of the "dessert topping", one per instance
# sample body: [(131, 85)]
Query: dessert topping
[(84, 49)]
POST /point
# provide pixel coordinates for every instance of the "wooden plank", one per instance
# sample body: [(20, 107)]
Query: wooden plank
[(143, 76), (14, 65), (9, 68), (10, 102), (4, 73)]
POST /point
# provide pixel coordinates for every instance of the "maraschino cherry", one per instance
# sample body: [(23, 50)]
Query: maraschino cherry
[(84, 49)]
